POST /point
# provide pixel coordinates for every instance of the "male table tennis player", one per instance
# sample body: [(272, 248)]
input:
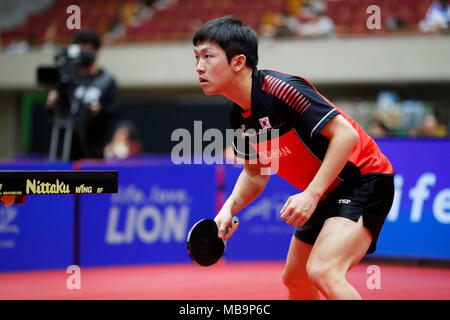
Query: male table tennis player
[(347, 182)]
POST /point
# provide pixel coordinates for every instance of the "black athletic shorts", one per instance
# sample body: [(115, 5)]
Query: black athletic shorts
[(370, 195)]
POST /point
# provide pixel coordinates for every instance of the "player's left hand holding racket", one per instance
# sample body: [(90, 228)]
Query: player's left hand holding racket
[(204, 245), (227, 224)]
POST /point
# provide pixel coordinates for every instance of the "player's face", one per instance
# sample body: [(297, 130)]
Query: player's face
[(214, 71)]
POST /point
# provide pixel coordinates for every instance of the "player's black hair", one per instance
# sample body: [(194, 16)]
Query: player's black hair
[(232, 36), (87, 36)]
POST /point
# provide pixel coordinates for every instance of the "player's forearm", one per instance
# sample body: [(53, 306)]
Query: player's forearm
[(339, 150), (248, 186)]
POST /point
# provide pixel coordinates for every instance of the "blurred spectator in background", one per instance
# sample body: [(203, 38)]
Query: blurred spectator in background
[(144, 10), (320, 26), (437, 18), (125, 142), (96, 93), (276, 25), (50, 40), (377, 129), (306, 21), (312, 21), (432, 128), (17, 46)]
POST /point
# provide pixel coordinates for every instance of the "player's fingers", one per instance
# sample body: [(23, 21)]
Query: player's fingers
[(232, 228), (230, 231), (286, 212), (222, 227), (296, 222), (286, 204), (292, 218), (302, 220)]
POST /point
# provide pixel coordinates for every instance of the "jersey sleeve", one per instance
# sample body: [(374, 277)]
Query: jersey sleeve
[(241, 145), (309, 109)]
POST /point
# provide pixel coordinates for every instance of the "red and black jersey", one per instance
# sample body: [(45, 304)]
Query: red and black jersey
[(292, 105)]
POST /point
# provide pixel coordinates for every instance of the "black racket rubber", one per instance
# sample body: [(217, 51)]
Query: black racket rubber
[(203, 244)]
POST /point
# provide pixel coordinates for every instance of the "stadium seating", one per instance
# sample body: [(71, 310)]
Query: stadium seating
[(399, 16), (180, 18)]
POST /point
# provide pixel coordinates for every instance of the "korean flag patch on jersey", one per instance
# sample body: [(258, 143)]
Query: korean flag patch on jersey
[(265, 124)]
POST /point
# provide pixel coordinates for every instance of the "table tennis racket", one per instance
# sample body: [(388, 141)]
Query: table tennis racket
[(203, 243)]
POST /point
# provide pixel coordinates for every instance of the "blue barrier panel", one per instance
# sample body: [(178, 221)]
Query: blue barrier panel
[(418, 225), (39, 233), (148, 220), (262, 235)]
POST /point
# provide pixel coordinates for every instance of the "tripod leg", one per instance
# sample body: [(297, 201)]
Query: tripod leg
[(67, 140), (54, 142)]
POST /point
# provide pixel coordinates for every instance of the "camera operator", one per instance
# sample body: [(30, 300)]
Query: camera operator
[(95, 93)]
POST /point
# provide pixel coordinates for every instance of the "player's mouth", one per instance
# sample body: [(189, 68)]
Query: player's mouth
[(203, 81)]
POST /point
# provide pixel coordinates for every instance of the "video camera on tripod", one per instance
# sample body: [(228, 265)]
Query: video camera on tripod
[(63, 74), (63, 77)]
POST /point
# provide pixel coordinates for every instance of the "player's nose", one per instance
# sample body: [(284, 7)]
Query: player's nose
[(200, 67)]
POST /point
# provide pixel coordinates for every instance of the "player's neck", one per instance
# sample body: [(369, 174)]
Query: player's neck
[(240, 90)]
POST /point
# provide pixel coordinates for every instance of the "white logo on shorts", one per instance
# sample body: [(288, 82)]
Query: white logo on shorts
[(344, 201)]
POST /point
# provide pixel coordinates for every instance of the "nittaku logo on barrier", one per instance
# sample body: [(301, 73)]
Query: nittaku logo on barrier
[(38, 187)]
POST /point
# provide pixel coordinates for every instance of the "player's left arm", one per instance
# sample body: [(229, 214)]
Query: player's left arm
[(342, 139)]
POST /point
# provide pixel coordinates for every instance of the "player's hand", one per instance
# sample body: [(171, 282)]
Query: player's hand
[(226, 224), (299, 208)]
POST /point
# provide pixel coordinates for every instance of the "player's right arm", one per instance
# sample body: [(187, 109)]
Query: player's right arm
[(248, 187)]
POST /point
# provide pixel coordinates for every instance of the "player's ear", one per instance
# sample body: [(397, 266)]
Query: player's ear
[(238, 62)]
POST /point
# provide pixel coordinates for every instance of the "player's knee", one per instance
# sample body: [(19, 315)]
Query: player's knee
[(294, 279), (287, 278), (321, 273)]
